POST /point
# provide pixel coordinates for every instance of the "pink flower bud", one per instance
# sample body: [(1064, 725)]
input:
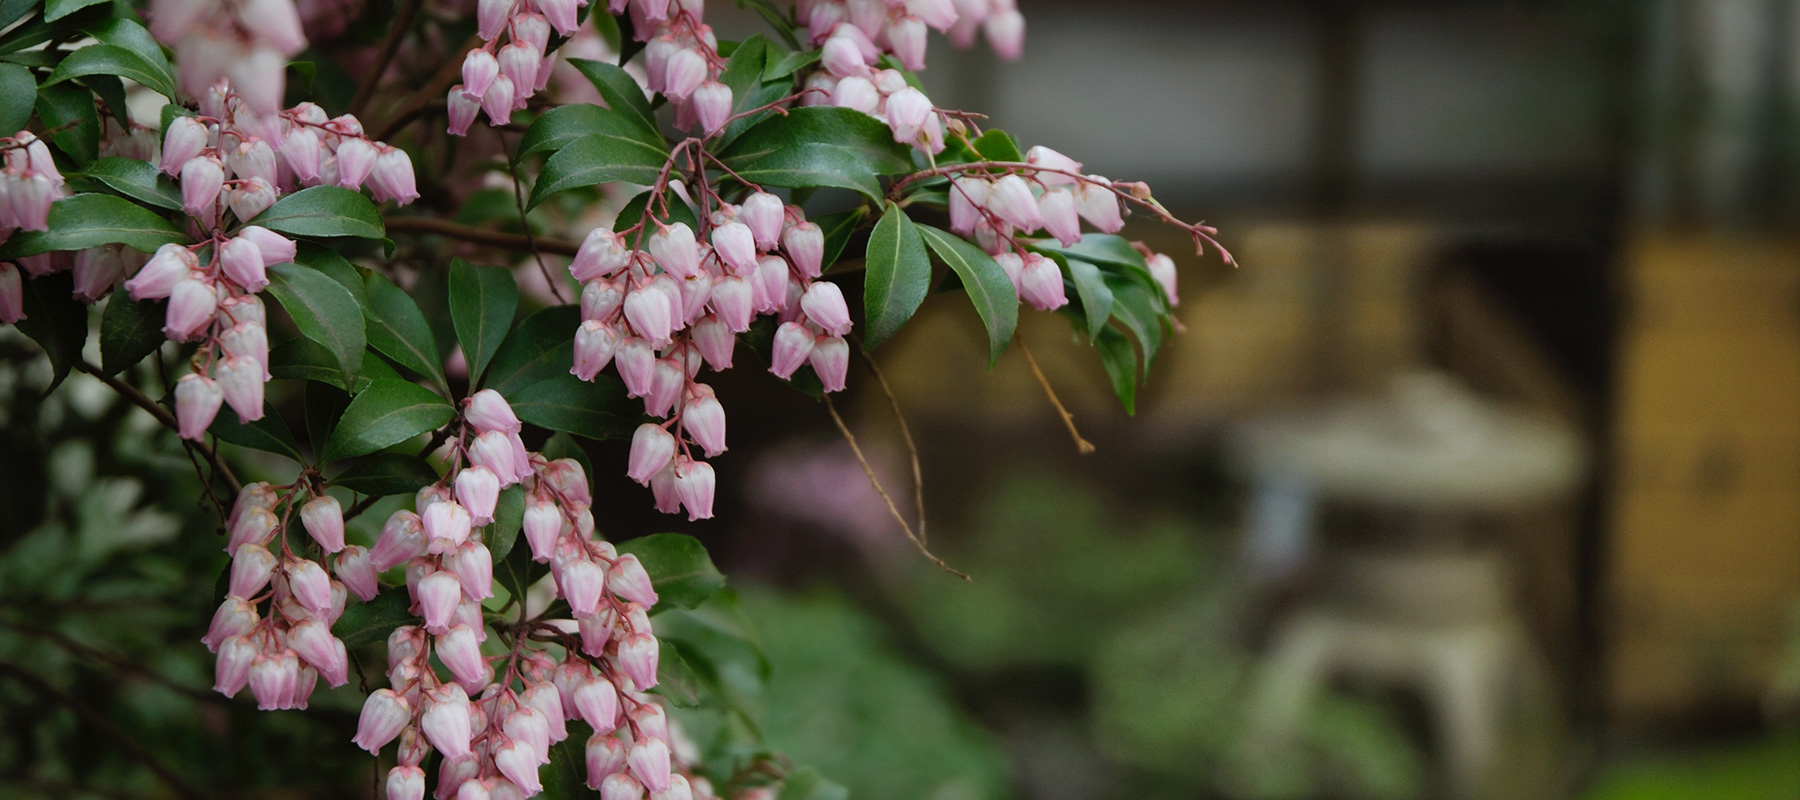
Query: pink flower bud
[(662, 490), (704, 420), (254, 527), (824, 305), (651, 721), (517, 760), (712, 106), (487, 410), (1162, 268), (596, 631), (599, 299), (567, 477), (842, 57), (234, 617), (1057, 207), (907, 37), (543, 523), (242, 262), (547, 699), (665, 388), (793, 343), (620, 786), (252, 158), (1006, 34), (684, 73), (736, 246), (830, 358), (479, 69), (315, 645), (276, 22), (461, 110), (308, 583), (601, 254), (520, 63), (562, 15), (251, 568), (478, 490), (447, 526), (649, 763), (353, 567), (405, 782), (384, 715), (201, 179), (197, 401), (650, 313), (446, 722), (858, 94), (1012, 265), (491, 16), (402, 539), (637, 365), (497, 102), (676, 250), (158, 277), (1010, 199), (762, 213), (805, 245), (438, 595), (392, 177), (691, 297), (232, 670), (939, 14), (273, 679), (243, 309), (967, 197), (651, 449), (595, 343), (868, 15), (696, 484), (1048, 159), (605, 758), (597, 702), (679, 789), (323, 517), (715, 341), (1098, 205), (769, 288), (1041, 283), (184, 139), (241, 379), (300, 149), (459, 779), (628, 580), (355, 160), (460, 652), (581, 581), (473, 565)]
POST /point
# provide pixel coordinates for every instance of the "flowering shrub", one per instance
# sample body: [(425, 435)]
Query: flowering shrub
[(753, 166)]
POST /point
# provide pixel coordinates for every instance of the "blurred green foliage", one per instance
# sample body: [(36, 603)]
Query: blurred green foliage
[(1768, 768)]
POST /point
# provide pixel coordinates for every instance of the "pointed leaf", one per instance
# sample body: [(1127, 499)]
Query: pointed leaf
[(324, 311), (1139, 311), (106, 59), (819, 146), (90, 220), (129, 331), (138, 180), (398, 330), (597, 410), (561, 126), (57, 9), (1096, 296), (303, 359), (126, 33), (509, 517), (18, 94), (1121, 365), (838, 228), (371, 622), (483, 301), (620, 91), (599, 158), (386, 413), (986, 284), (69, 110), (385, 474), (537, 349), (897, 276), (55, 321), (679, 567), (324, 211), (269, 434)]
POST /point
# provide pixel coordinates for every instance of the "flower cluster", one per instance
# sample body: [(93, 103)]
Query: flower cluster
[(247, 42), (659, 313), (502, 79), (29, 183)]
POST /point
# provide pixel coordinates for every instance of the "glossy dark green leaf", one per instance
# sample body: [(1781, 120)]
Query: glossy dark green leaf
[(324, 211), (1112, 254), (509, 517), (304, 359), (138, 180), (324, 405), (819, 146), (988, 287), (483, 301), (106, 59), (598, 158), (897, 276), (371, 622), (385, 474), (18, 95), (560, 126), (56, 321), (838, 229), (69, 110), (269, 434), (807, 784), (675, 680), (751, 87), (57, 9), (1096, 296), (111, 91), (324, 311), (124, 32), (597, 410), (398, 330), (335, 267), (679, 567), (1139, 310), (1121, 365), (537, 349), (129, 331), (12, 11), (620, 91), (386, 413), (634, 211), (90, 220)]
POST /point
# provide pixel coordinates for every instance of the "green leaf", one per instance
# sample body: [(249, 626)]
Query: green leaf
[(675, 680), (621, 93), (304, 359), (324, 405), (1109, 252), (335, 267), (819, 146), (12, 11), (106, 59), (597, 410), (536, 350), (57, 9), (18, 94), (126, 33), (483, 301), (55, 321), (323, 211), (90, 220), (324, 311), (897, 276), (138, 180), (384, 474), (986, 284), (634, 211), (516, 570), (509, 517), (385, 414), (561, 126), (69, 110), (129, 331), (751, 87), (1090, 286), (1121, 365), (371, 622), (398, 330), (807, 784), (838, 228), (995, 145), (680, 569), (599, 158), (1138, 310), (269, 434)]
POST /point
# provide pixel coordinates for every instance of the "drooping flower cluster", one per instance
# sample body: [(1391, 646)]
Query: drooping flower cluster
[(29, 183), (247, 42), (660, 313), (502, 79)]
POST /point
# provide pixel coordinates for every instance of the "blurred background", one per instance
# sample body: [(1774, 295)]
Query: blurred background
[(1480, 478)]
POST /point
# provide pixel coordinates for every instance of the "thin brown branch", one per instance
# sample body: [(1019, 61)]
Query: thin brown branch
[(509, 241), (876, 482), (429, 91), (402, 23), (1082, 446), (99, 722), (912, 450), (163, 416)]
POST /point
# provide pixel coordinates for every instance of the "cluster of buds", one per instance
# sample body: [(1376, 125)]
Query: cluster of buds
[(900, 25), (29, 183), (247, 42), (681, 60), (884, 95), (500, 79), (658, 314), (281, 650)]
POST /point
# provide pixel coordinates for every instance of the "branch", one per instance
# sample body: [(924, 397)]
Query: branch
[(402, 23), (1082, 446), (163, 416), (876, 482), (912, 450), (509, 241), (106, 727), (428, 91)]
